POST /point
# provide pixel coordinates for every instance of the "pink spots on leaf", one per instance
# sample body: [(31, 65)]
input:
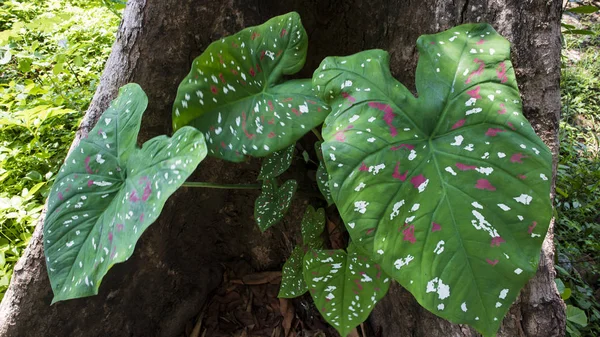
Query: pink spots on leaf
[(282, 34), (484, 184), (370, 231), (510, 125), (110, 236), (502, 110), (491, 132), (480, 42), (409, 234), (532, 227), (271, 122), (418, 180), (252, 72), (296, 112), (90, 183), (142, 217), (147, 191), (119, 227), (88, 169), (477, 72), (491, 262), (465, 167), (349, 97), (214, 90), (474, 93), (339, 136), (522, 176), (271, 134), (397, 174), (435, 227), (501, 72), (496, 241), (358, 285), (254, 35), (363, 167), (262, 55), (406, 146), (517, 158), (222, 78), (458, 124), (248, 134), (233, 71), (289, 99), (133, 197), (270, 104), (388, 115), (60, 196)]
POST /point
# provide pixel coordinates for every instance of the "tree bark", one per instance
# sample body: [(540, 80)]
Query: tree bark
[(179, 259)]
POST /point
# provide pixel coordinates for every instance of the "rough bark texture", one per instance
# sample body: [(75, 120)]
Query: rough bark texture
[(179, 259)]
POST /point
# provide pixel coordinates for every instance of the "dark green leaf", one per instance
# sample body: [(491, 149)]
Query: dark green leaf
[(583, 9), (579, 32), (273, 202), (344, 286), (323, 176), (576, 315), (313, 224), (233, 92), (292, 279), (449, 191), (276, 163), (109, 191)]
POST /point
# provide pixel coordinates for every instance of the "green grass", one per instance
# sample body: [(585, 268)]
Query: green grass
[(577, 201), (51, 56)]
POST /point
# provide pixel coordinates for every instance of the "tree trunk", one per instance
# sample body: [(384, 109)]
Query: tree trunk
[(180, 258)]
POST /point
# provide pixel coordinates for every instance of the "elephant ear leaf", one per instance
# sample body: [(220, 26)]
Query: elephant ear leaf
[(344, 286), (109, 191), (448, 191), (234, 96)]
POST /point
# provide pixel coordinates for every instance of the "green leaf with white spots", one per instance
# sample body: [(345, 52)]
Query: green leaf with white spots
[(276, 163), (273, 202), (344, 286), (292, 279), (448, 191), (109, 191), (234, 94), (313, 224), (323, 176)]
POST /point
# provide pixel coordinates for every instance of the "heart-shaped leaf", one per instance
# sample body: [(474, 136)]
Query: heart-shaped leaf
[(292, 278), (109, 191), (276, 163), (232, 93), (344, 286), (450, 190), (313, 224), (273, 202)]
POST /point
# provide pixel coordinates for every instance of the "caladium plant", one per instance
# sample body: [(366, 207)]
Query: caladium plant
[(109, 191), (448, 191), (235, 92)]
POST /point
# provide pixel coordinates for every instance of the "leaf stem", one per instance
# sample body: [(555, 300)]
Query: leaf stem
[(318, 134), (222, 186)]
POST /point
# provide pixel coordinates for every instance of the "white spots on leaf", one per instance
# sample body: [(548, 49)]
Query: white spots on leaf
[(480, 223), (485, 155), (396, 210), (485, 170), (471, 101), (524, 199), (473, 111), (70, 243), (303, 108), (332, 156), (371, 119), (466, 72), (99, 159), (498, 304), (463, 307), (412, 155), (371, 140), (491, 97), (354, 118), (501, 154), (503, 293), (360, 206), (543, 176), (346, 84), (218, 130), (457, 140), (492, 51), (504, 207), (107, 120), (415, 207), (102, 183), (469, 147), (535, 150), (450, 170), (441, 306), (439, 248), (360, 187), (473, 51), (423, 185), (436, 285), (375, 169), (403, 261), (351, 225), (518, 271)]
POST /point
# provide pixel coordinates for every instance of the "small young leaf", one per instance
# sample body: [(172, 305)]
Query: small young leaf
[(583, 9), (344, 286), (273, 202), (448, 191), (323, 176), (276, 163), (109, 191), (233, 92), (313, 224), (292, 279), (576, 315)]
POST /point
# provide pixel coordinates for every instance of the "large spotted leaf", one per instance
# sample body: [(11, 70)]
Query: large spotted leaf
[(344, 286), (109, 191), (450, 190), (234, 96)]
